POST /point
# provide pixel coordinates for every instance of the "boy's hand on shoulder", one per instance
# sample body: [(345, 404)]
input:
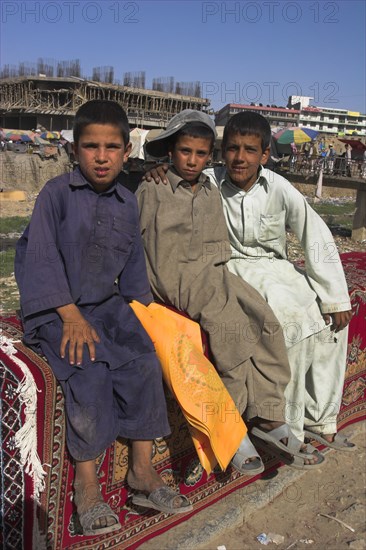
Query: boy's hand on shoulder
[(340, 319), (157, 173), (76, 332)]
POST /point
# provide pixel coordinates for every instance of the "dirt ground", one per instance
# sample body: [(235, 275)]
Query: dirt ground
[(336, 489), (9, 209)]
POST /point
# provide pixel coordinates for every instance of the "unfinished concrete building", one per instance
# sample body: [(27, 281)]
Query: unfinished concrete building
[(31, 102)]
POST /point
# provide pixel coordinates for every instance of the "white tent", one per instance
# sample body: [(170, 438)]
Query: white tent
[(68, 135), (137, 138), (220, 133)]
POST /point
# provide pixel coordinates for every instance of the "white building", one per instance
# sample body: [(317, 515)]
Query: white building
[(328, 120), (333, 121)]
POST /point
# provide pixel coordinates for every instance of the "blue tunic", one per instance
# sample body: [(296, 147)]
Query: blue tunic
[(85, 248)]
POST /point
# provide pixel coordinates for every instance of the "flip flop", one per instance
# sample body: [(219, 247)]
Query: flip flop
[(162, 499), (271, 441), (90, 516), (340, 442), (247, 450)]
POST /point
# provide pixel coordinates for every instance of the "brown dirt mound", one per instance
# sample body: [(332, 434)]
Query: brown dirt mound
[(29, 173)]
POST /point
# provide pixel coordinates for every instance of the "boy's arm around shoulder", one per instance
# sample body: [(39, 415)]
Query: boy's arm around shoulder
[(157, 173)]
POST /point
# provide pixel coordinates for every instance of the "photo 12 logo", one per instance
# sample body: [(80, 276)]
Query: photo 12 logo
[(70, 12), (270, 12), (268, 92)]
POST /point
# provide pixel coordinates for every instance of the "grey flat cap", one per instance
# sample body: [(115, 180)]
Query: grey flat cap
[(158, 147)]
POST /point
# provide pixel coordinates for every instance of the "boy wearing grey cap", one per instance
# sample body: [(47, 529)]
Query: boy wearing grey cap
[(186, 247)]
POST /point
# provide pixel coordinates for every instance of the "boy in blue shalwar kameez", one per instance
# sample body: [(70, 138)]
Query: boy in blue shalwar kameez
[(78, 265)]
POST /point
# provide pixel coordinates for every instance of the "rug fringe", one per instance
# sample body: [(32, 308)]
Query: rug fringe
[(26, 436)]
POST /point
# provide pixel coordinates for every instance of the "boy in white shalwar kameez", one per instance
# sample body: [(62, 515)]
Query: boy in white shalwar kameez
[(313, 306)]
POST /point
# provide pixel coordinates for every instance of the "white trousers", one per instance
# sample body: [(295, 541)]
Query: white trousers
[(314, 394)]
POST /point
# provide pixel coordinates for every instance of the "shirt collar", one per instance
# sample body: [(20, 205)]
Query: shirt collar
[(77, 179), (175, 179)]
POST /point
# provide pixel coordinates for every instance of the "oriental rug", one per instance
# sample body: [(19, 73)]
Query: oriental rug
[(37, 510)]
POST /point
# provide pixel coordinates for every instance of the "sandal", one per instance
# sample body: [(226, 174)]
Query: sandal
[(340, 442), (89, 517), (162, 499), (98, 510), (247, 450), (271, 441)]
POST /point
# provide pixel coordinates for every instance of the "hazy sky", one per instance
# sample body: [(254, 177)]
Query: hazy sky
[(241, 52)]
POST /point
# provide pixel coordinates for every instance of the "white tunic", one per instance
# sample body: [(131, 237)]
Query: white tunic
[(257, 221)]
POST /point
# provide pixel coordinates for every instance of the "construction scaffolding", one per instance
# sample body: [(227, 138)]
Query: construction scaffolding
[(43, 67), (134, 80), (103, 74), (163, 84), (63, 96)]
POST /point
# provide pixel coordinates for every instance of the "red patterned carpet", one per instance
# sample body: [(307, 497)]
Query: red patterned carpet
[(36, 496)]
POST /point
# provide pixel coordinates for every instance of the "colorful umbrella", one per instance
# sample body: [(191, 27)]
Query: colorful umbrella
[(26, 138), (295, 134), (354, 143), (50, 135), (17, 135)]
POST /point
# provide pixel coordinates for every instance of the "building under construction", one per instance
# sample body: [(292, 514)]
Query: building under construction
[(28, 102)]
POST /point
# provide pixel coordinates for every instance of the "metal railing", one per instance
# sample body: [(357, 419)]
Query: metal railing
[(335, 166)]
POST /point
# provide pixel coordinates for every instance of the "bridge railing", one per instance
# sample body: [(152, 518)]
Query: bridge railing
[(312, 166)]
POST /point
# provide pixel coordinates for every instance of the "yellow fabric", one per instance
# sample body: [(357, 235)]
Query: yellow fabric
[(215, 424)]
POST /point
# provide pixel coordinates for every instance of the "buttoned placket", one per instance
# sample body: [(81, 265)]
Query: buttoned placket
[(247, 217), (242, 212), (100, 233)]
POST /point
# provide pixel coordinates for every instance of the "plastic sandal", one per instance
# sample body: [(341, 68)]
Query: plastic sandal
[(340, 442), (162, 499), (271, 442), (247, 450), (273, 438), (89, 517)]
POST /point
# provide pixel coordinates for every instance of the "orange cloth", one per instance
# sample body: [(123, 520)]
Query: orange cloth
[(215, 423)]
